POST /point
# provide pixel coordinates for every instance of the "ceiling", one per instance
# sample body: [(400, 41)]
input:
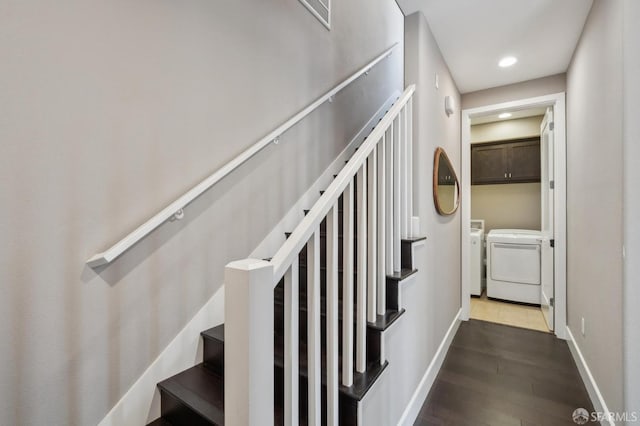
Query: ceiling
[(474, 35)]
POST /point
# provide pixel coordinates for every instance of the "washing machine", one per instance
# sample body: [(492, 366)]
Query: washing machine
[(513, 265), (477, 257)]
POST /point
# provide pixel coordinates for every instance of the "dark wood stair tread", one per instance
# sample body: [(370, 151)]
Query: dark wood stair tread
[(411, 240), (214, 333), (384, 321), (323, 235), (159, 422), (200, 390), (403, 274)]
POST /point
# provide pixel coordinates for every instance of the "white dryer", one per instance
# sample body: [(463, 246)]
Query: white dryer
[(513, 265)]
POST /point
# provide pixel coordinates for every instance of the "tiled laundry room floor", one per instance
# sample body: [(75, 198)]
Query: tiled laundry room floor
[(485, 309)]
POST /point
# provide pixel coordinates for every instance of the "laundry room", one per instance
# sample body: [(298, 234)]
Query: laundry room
[(507, 204)]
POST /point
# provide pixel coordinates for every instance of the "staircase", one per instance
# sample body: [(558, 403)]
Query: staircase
[(321, 322)]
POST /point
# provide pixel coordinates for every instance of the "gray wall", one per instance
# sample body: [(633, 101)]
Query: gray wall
[(432, 299), (527, 89), (631, 149), (507, 206), (112, 110), (594, 197)]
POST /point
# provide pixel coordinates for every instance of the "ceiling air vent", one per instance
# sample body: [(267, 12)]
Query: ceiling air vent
[(321, 9)]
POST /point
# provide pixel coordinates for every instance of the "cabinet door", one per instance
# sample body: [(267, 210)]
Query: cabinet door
[(488, 164), (443, 175), (524, 161)]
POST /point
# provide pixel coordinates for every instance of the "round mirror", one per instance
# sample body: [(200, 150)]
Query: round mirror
[(446, 189)]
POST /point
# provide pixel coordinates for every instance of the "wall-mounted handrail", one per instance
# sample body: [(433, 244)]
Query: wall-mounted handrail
[(301, 234), (175, 209)]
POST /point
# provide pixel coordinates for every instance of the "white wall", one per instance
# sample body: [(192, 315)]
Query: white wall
[(507, 206), (631, 149), (113, 109), (594, 197), (432, 298)]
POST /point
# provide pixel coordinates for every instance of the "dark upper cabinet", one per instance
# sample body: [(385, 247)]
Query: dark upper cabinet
[(488, 164), (446, 176), (524, 161), (514, 161)]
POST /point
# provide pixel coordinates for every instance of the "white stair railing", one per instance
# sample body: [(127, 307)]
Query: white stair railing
[(381, 170)]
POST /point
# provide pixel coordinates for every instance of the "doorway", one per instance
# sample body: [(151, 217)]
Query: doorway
[(552, 239)]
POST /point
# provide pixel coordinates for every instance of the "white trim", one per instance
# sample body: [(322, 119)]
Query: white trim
[(410, 413), (465, 217), (141, 404), (557, 101), (597, 399), (175, 208)]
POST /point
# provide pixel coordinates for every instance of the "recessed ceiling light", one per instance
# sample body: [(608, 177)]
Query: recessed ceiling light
[(505, 115), (507, 61)]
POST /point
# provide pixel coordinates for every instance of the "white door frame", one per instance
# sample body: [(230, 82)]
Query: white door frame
[(557, 101)]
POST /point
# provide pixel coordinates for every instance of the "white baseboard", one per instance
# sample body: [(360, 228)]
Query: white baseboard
[(272, 242), (597, 399), (141, 404), (422, 391)]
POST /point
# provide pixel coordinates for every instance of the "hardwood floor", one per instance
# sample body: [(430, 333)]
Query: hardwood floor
[(501, 375)]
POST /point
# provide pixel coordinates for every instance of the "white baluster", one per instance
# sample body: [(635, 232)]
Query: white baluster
[(405, 173), (412, 232), (397, 211), (291, 345), (382, 181), (372, 241), (313, 329), (248, 347), (332, 317), (389, 201), (361, 318), (347, 286)]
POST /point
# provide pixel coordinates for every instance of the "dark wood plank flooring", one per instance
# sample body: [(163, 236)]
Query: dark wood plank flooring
[(501, 375)]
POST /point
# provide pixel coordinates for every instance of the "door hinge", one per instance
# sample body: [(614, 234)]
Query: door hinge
[(552, 184), (552, 242), (551, 125), (552, 301)]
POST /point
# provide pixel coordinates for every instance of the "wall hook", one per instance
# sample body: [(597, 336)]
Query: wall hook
[(177, 215)]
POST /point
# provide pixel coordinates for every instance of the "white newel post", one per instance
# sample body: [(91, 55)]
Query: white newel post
[(248, 346)]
